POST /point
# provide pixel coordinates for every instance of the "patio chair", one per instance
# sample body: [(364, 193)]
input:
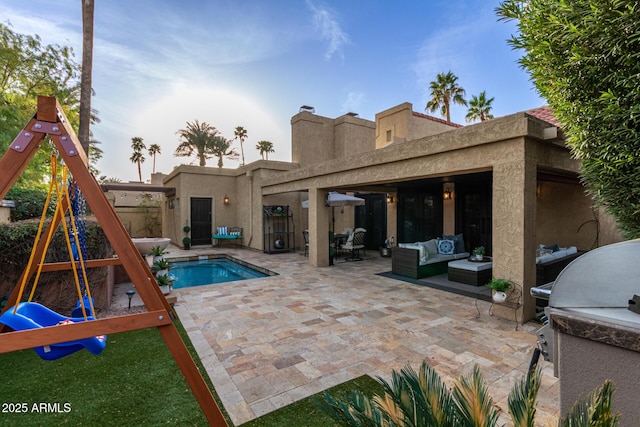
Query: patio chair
[(305, 235), (354, 244)]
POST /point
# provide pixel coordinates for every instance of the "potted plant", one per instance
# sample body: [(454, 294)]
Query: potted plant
[(165, 281), (157, 253), (385, 251), (160, 267), (499, 286), (478, 253), (186, 241)]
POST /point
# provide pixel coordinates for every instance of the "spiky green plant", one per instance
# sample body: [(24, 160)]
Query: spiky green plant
[(423, 400), (597, 411)]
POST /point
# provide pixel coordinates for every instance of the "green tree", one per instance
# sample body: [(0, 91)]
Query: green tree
[(221, 147), (240, 133), (154, 149), (479, 108), (265, 148), (196, 139), (137, 157), (582, 56), (444, 91), (423, 400), (28, 69)]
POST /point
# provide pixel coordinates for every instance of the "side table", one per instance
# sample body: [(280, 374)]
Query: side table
[(514, 295)]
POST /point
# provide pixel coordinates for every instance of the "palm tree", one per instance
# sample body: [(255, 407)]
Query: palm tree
[(265, 147), (195, 138), (221, 147), (444, 91), (479, 108), (154, 149), (137, 157), (423, 399), (85, 79), (241, 133)]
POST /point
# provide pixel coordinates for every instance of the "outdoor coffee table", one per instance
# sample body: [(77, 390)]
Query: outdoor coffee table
[(475, 273)]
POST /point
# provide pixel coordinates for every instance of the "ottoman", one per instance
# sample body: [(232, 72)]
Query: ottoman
[(470, 272)]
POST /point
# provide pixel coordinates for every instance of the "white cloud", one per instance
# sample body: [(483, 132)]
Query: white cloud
[(353, 102), (327, 24), (158, 121)]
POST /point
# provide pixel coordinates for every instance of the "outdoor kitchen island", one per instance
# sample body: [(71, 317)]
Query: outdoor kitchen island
[(596, 335)]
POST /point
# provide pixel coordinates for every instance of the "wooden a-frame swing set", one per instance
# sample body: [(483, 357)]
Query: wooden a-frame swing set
[(49, 120)]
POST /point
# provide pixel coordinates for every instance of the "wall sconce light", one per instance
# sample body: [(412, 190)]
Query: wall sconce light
[(225, 200), (389, 198), (447, 194)]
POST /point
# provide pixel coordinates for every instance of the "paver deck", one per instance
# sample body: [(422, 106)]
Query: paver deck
[(268, 342)]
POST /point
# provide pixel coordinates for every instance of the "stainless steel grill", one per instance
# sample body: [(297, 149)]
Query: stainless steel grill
[(600, 284)]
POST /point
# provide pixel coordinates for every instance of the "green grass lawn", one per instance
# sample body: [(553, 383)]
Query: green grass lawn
[(135, 381)]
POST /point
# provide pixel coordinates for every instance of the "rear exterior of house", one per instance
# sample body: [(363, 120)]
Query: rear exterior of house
[(508, 184)]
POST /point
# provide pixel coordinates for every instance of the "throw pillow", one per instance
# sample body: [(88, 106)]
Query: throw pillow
[(458, 240), (446, 247), (432, 246)]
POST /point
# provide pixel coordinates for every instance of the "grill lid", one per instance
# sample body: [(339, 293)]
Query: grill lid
[(601, 282)]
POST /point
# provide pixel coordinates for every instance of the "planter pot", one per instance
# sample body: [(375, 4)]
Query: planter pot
[(385, 252), (162, 272), (479, 257), (499, 297), (187, 246), (158, 258), (165, 289)]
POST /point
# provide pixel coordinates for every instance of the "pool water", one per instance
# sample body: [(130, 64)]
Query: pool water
[(210, 271)]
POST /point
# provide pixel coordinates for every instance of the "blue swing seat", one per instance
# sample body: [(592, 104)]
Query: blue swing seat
[(31, 315)]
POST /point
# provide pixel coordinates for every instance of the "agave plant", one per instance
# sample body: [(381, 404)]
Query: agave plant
[(423, 400)]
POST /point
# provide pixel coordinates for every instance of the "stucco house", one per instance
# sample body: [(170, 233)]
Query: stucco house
[(509, 184)]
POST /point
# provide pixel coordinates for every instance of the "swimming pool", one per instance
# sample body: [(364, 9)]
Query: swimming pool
[(210, 271)]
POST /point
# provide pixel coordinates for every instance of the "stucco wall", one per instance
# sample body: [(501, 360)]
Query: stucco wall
[(399, 124), (311, 138), (554, 200), (584, 365)]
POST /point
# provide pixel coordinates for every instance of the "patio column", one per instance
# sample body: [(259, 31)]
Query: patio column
[(318, 228), (514, 231)]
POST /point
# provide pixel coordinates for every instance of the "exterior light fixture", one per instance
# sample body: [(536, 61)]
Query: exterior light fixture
[(226, 200), (447, 194), (389, 198)]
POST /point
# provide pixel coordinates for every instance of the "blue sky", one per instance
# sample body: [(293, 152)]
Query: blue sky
[(253, 63)]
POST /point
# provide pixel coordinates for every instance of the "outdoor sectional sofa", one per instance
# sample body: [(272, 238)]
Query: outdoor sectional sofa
[(423, 259), (551, 262)]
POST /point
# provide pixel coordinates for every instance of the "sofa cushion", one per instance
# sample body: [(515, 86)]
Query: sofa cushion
[(554, 247), (446, 247)]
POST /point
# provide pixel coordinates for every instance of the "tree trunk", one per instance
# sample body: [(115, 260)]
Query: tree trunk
[(84, 133)]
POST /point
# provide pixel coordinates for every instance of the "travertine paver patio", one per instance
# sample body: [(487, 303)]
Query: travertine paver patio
[(268, 342)]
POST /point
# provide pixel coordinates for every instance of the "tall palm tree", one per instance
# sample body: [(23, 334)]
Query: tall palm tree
[(154, 149), (137, 157), (241, 133), (479, 108), (265, 147), (221, 147), (444, 91), (85, 77), (195, 138)]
